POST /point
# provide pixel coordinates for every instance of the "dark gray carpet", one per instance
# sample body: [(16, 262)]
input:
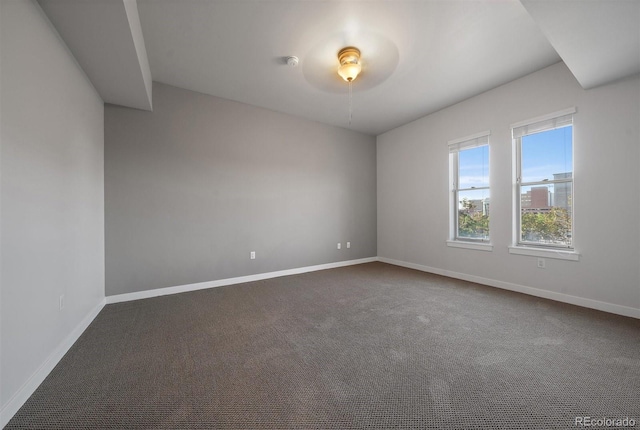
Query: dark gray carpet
[(372, 346)]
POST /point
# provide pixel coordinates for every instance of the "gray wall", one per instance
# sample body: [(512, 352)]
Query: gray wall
[(413, 175), (196, 185), (52, 192)]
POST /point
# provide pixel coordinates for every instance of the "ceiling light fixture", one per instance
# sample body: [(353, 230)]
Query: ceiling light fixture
[(350, 67), (349, 70)]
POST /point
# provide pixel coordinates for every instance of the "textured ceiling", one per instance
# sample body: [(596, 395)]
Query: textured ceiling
[(106, 39), (418, 56), (598, 40)]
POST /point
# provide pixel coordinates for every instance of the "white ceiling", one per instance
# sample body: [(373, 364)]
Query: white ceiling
[(435, 53), (106, 39), (418, 56), (598, 40)]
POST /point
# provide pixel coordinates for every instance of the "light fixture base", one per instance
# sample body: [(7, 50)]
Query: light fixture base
[(348, 54)]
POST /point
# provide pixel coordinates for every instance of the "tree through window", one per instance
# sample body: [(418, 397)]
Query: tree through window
[(469, 170), (544, 181)]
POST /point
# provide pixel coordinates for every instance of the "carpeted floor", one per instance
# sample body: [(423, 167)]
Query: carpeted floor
[(372, 346)]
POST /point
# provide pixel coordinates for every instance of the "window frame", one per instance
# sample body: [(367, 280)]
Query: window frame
[(476, 140), (538, 125)]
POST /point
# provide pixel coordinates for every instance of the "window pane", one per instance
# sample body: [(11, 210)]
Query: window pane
[(473, 214), (546, 212), (547, 154), (474, 167)]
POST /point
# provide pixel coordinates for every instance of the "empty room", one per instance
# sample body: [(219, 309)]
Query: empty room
[(304, 214)]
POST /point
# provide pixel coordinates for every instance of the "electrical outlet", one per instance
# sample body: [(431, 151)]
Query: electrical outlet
[(541, 263), (61, 302), (339, 245), (253, 255), (348, 244)]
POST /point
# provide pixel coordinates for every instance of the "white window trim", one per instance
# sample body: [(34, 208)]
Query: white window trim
[(563, 112), (545, 252), (559, 252), (469, 138), (456, 145), (478, 246)]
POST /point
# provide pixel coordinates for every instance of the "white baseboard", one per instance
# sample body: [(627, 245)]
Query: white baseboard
[(231, 281), (552, 295), (29, 387)]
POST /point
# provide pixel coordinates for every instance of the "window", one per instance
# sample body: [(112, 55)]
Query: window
[(469, 174), (544, 181)]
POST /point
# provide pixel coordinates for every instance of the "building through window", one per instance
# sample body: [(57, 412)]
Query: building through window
[(470, 194), (544, 181)]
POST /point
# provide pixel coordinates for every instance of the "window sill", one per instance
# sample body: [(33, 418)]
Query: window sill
[(545, 253), (470, 245)]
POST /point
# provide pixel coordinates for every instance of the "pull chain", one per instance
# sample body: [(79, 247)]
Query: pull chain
[(350, 102)]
